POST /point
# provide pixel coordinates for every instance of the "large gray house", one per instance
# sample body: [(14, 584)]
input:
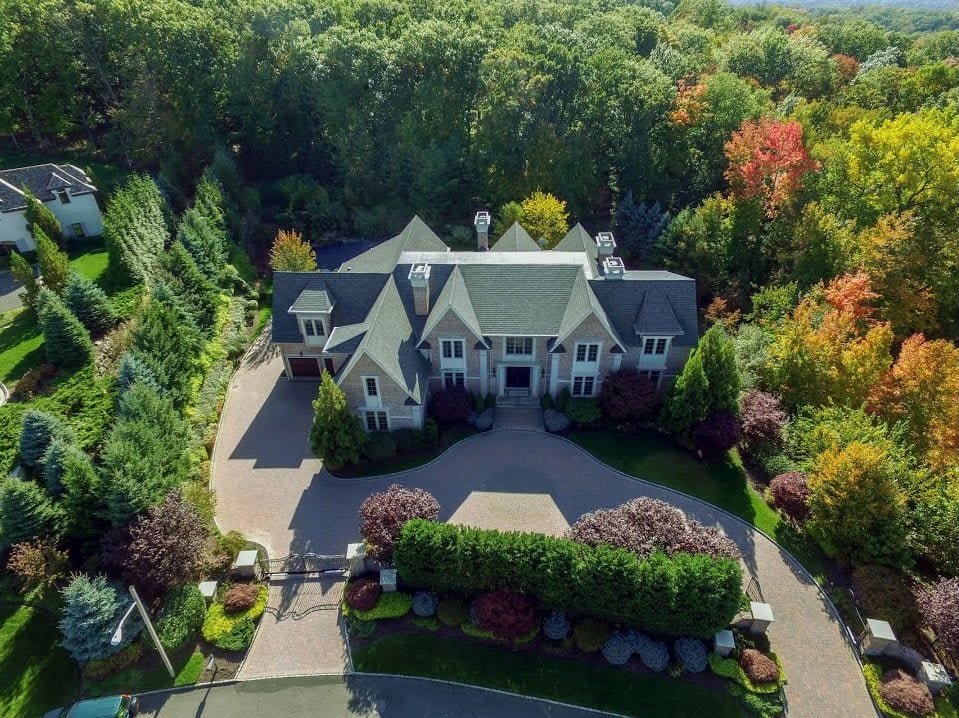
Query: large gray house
[(410, 316)]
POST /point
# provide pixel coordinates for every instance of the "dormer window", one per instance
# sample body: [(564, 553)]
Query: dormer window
[(655, 346), (313, 328), (64, 196)]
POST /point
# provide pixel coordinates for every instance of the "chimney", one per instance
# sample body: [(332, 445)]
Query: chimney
[(420, 281), (482, 222), (605, 244), (613, 268)]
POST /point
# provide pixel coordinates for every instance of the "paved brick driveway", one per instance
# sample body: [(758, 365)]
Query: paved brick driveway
[(270, 488)]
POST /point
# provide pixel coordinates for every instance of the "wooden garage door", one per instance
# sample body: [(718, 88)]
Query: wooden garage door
[(307, 367)]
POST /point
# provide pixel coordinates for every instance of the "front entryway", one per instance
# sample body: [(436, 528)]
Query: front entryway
[(517, 377)]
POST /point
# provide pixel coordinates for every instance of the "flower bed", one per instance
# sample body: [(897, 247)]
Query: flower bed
[(234, 631)]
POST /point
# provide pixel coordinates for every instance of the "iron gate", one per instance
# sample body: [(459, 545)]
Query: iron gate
[(300, 563)]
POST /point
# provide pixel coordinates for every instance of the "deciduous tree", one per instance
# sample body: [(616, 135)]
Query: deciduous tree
[(545, 217), (291, 253), (382, 515)]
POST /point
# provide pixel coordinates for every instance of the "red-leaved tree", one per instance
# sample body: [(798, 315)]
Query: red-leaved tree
[(628, 396), (761, 419), (382, 516), (644, 526), (939, 606), (790, 494), (716, 434), (767, 159), (450, 405)]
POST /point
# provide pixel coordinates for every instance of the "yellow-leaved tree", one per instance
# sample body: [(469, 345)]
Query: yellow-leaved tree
[(545, 216), (291, 253)]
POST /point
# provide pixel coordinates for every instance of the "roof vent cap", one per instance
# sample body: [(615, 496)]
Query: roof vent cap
[(614, 268), (482, 221), (419, 274), (605, 243)]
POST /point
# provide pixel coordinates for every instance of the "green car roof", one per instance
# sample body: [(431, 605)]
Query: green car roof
[(100, 708)]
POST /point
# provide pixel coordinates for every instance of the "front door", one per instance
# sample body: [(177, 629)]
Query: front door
[(517, 377)]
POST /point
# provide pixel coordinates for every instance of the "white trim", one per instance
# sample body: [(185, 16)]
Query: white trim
[(372, 401), (313, 340), (518, 357), (553, 374), (453, 362), (586, 365), (484, 372)]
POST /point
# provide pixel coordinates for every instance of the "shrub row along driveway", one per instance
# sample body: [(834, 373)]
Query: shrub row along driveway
[(269, 486)]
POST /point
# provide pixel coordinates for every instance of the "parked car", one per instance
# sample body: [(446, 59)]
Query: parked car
[(113, 707)]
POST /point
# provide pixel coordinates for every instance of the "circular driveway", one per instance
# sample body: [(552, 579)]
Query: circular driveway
[(271, 488)]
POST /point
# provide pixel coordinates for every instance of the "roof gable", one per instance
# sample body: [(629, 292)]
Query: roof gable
[(454, 298), (582, 305), (415, 237), (577, 240), (312, 300), (515, 239), (41, 180), (656, 316)]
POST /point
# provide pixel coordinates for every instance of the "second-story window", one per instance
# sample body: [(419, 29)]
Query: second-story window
[(452, 348), (519, 346), (655, 345), (587, 352), (313, 328), (64, 196), (371, 388)]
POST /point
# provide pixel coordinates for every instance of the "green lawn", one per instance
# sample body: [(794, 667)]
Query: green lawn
[(36, 675), (601, 687), (187, 664), (89, 258), (650, 456)]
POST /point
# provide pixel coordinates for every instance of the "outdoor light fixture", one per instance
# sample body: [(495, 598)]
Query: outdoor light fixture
[(118, 634)]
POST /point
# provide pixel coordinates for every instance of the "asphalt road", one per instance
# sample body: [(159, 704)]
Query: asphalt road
[(366, 696)]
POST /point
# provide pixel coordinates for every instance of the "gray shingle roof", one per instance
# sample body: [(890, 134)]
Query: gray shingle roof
[(390, 342), (516, 239), (656, 315), (454, 298), (41, 180), (519, 299), (312, 300), (353, 294), (578, 240), (415, 237), (622, 300)]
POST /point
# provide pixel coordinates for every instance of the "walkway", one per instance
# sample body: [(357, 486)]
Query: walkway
[(269, 488), (356, 695)]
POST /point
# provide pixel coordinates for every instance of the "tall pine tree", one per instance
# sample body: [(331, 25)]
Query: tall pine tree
[(41, 219), (688, 400), (718, 353), (38, 429), (89, 304), (26, 512), (66, 341), (336, 435), (22, 272), (135, 229), (54, 265)]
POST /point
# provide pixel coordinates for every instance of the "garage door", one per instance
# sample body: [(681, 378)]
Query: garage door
[(305, 368)]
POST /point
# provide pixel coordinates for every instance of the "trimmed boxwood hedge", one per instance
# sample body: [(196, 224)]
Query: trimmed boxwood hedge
[(682, 595)]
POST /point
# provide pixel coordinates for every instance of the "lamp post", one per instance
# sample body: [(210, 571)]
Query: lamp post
[(118, 634)]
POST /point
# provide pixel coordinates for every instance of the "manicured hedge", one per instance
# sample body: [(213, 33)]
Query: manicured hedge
[(682, 595)]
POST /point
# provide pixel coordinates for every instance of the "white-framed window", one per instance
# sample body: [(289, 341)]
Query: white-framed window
[(655, 346), (452, 348), (313, 328), (376, 420), (584, 385), (453, 378), (371, 386), (64, 196), (519, 346), (587, 352)]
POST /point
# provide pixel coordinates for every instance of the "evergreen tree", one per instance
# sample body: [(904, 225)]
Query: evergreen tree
[(91, 610), (205, 241), (65, 339), (54, 264), (41, 220), (144, 456), (26, 512), (638, 226), (135, 367), (183, 276), (718, 353), (81, 498), (38, 429), (89, 304), (688, 400), (22, 272), (336, 435), (135, 229)]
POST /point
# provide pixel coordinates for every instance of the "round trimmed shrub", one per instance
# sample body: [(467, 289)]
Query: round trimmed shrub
[(653, 654), (555, 421), (556, 625), (452, 611), (790, 492), (424, 603), (379, 446), (482, 421), (617, 649), (759, 667), (590, 634), (240, 597), (505, 613), (691, 653), (363, 593), (905, 693)]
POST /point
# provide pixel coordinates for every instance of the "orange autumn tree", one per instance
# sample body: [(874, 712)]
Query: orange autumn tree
[(922, 390), (291, 253), (831, 348), (767, 160)]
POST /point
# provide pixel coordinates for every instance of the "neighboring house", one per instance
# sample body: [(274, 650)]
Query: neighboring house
[(410, 316), (64, 189)]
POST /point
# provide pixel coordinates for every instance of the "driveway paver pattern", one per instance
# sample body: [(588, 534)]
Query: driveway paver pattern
[(269, 488)]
